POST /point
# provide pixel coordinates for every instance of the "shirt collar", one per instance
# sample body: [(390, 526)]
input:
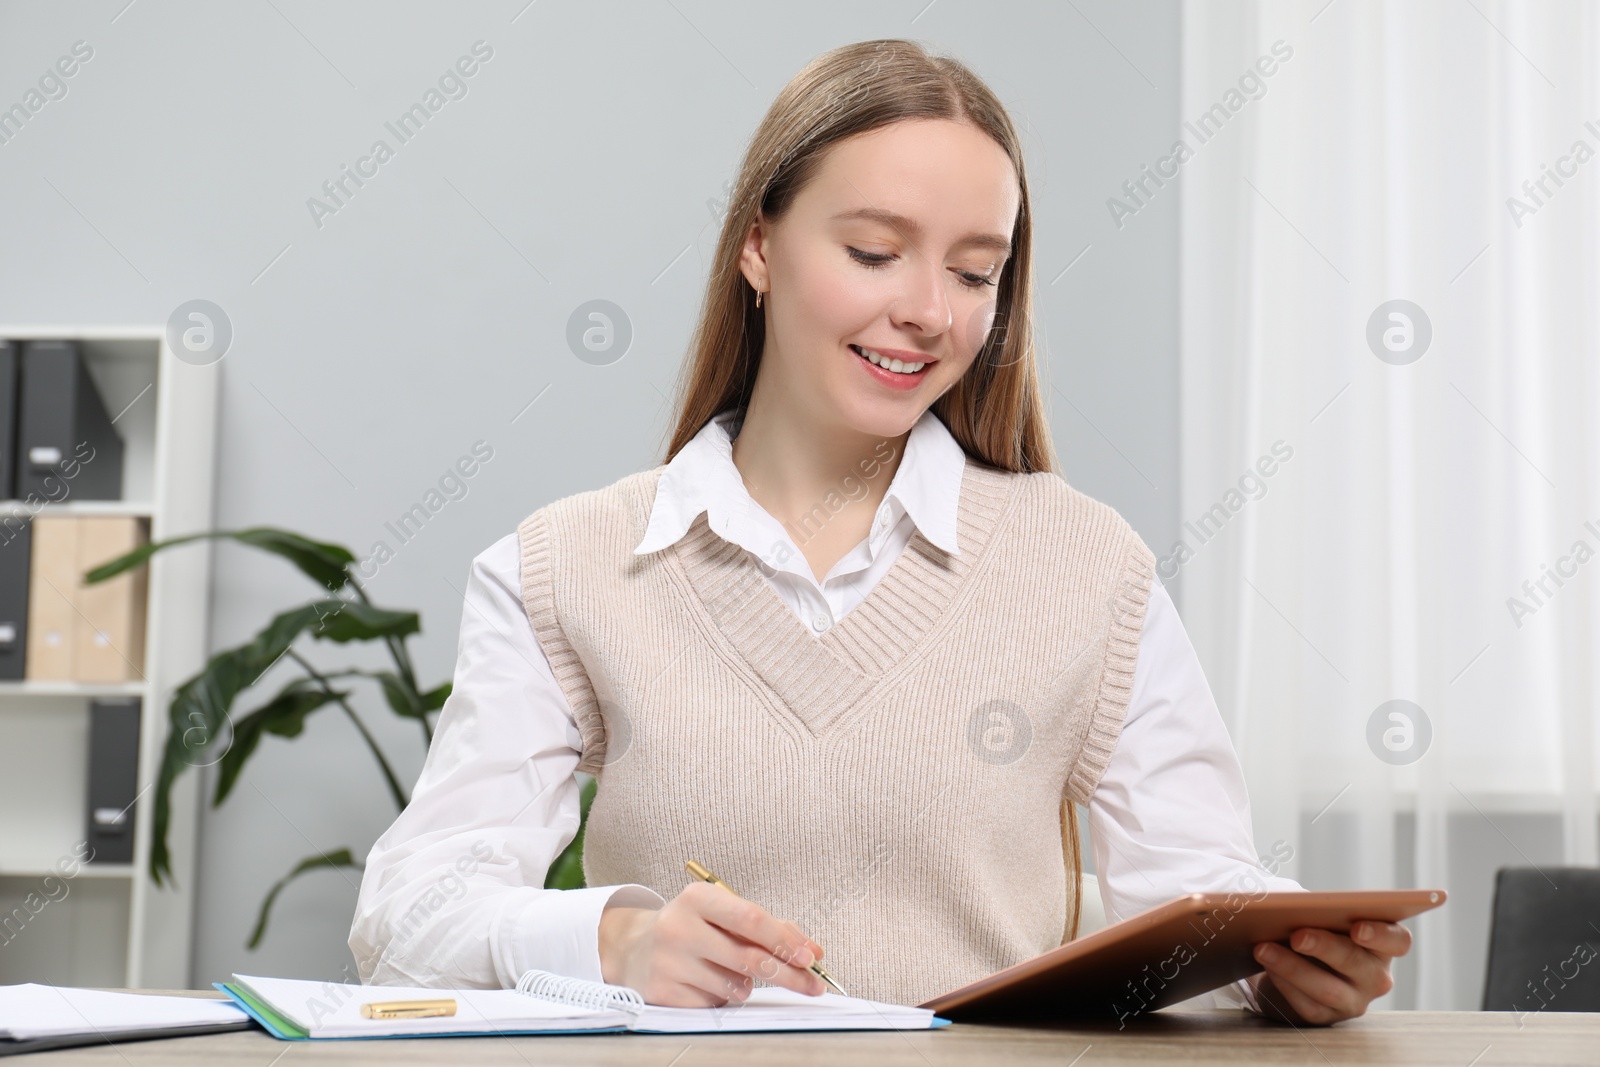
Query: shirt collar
[(702, 477)]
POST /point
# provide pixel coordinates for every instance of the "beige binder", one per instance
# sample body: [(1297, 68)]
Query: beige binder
[(52, 584), (78, 632), (108, 642)]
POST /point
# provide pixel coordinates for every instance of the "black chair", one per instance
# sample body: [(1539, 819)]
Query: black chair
[(1544, 942)]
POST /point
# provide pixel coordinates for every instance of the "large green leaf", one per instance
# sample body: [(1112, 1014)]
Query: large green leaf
[(354, 620), (324, 563), (404, 700), (284, 715), (434, 698), (567, 871), (337, 858), (199, 725), (199, 729)]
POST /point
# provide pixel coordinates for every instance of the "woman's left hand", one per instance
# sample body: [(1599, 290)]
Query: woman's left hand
[(1353, 971)]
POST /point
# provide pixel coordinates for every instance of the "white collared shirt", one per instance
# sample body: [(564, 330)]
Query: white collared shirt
[(497, 800), (922, 496)]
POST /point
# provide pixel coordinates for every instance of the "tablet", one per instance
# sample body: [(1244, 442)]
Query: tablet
[(1177, 950)]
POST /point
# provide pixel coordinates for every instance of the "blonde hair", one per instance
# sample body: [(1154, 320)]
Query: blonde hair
[(995, 411)]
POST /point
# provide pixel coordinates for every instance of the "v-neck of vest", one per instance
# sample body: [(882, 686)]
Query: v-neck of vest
[(822, 677)]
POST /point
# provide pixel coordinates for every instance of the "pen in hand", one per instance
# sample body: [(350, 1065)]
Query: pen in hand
[(705, 875)]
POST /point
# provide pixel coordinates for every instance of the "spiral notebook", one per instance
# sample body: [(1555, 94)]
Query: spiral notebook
[(545, 1003)]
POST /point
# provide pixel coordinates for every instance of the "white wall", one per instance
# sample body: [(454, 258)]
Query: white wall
[(373, 351)]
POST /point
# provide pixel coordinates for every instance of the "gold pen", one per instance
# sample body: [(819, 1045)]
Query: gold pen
[(408, 1009), (705, 875)]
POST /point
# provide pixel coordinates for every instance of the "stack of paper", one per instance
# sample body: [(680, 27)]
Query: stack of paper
[(34, 1017)]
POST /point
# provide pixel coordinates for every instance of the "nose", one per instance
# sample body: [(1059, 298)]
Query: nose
[(923, 302)]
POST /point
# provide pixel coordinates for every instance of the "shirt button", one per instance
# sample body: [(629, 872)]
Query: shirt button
[(821, 622)]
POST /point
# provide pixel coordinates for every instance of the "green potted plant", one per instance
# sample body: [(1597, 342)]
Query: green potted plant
[(202, 728)]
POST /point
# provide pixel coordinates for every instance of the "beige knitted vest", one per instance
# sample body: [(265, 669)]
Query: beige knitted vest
[(895, 785)]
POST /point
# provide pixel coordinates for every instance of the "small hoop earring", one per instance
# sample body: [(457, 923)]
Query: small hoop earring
[(758, 298)]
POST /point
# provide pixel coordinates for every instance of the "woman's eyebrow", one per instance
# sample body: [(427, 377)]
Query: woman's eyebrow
[(992, 241)]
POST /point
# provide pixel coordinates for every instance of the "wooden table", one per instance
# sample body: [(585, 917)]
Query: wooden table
[(1402, 1038)]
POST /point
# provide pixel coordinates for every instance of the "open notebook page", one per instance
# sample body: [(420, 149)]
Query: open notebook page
[(333, 1009), (31, 1011), (775, 1008), (326, 1009)]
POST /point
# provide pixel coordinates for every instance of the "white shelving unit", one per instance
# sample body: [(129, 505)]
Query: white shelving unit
[(110, 925)]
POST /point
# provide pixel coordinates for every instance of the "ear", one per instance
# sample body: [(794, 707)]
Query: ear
[(753, 256)]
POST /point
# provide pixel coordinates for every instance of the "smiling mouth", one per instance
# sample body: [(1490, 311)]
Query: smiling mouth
[(897, 367)]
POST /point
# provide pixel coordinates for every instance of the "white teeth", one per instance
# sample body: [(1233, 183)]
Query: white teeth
[(889, 364)]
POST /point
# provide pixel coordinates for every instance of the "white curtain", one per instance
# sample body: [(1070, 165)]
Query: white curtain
[(1385, 559)]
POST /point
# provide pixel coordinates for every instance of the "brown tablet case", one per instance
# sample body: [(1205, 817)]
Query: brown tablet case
[(1177, 950)]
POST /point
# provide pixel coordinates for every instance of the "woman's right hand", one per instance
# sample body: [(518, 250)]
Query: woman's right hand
[(702, 949)]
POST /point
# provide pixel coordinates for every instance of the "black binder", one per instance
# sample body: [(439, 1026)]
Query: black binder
[(8, 419), (66, 445), (113, 778), (16, 553)]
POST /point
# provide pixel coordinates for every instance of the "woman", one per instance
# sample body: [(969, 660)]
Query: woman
[(853, 646)]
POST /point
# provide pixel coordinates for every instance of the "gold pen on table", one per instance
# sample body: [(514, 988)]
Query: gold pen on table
[(408, 1009), (705, 875)]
